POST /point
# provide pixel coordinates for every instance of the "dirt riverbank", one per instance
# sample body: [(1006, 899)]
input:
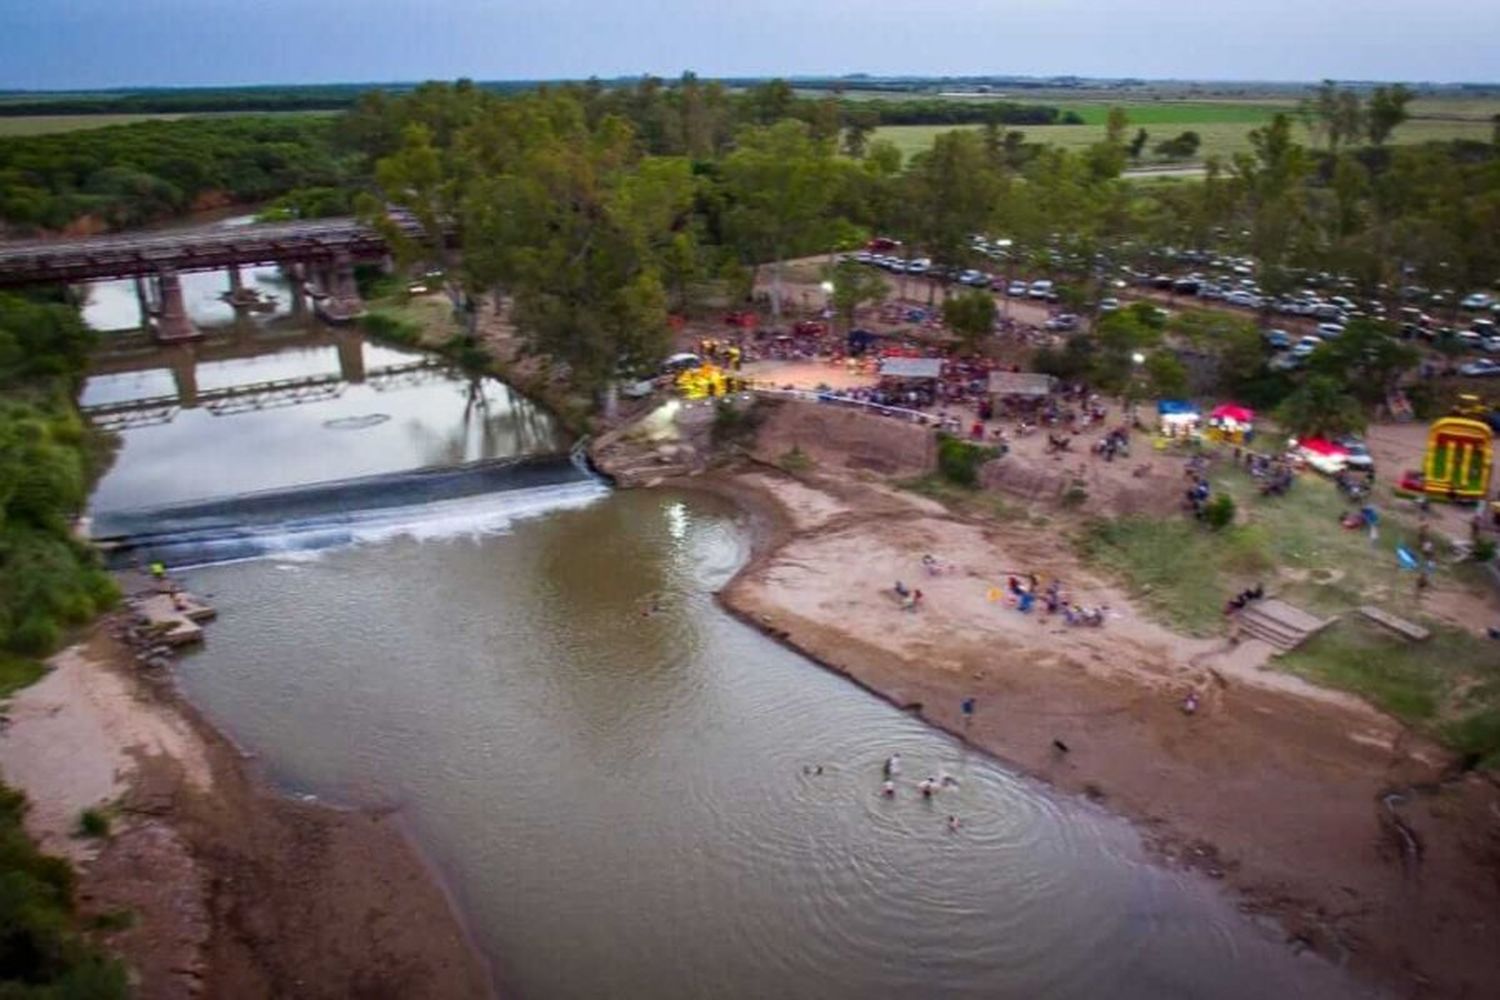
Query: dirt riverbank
[(1280, 789), (219, 886)]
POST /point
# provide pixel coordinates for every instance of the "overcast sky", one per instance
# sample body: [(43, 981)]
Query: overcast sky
[(92, 43)]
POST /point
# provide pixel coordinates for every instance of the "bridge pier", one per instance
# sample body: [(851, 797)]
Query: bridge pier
[(238, 296), (172, 322), (296, 279), (143, 299), (343, 304), (185, 376), (351, 348)]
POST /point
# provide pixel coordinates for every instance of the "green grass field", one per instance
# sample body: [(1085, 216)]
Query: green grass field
[(1222, 137), (1182, 573)]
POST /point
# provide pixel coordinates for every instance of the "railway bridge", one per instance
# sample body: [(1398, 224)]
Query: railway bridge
[(318, 256)]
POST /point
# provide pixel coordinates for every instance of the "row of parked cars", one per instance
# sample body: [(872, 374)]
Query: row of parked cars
[(1041, 290)]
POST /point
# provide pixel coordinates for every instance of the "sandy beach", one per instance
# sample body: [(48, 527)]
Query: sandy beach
[(233, 889), (1280, 789)]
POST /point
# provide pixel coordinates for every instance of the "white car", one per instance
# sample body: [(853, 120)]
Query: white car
[(1326, 330), (1109, 305), (919, 266), (1039, 289), (974, 278), (1482, 367), (1240, 297), (1478, 300), (1016, 289), (1305, 347)]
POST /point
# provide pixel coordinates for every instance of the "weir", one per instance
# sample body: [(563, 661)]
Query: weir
[(484, 495)]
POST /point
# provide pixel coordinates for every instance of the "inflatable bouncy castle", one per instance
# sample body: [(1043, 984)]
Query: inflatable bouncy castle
[(1460, 458)]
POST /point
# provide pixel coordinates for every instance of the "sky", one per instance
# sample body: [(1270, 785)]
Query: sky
[(72, 44)]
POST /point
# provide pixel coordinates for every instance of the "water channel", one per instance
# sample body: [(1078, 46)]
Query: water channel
[(608, 769)]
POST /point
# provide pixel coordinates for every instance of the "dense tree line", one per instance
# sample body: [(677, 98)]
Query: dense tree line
[(699, 186), (48, 459), (121, 176)]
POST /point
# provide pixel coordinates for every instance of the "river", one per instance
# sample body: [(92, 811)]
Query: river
[(608, 770)]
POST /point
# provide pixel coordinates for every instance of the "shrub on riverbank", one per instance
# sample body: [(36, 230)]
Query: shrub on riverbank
[(959, 460), (48, 579), (42, 953)]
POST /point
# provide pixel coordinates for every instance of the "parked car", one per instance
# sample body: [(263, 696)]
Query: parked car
[(1240, 297), (973, 278), (1478, 300), (1306, 346), (1484, 367), (919, 266), (1040, 289), (1062, 321), (1187, 286), (1109, 305), (1358, 456), (1326, 330), (1016, 289), (1278, 340), (680, 362)]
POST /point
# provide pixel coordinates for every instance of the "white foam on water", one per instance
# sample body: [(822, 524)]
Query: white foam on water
[(463, 517)]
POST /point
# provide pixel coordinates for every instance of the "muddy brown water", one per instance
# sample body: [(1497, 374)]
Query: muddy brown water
[(611, 773)]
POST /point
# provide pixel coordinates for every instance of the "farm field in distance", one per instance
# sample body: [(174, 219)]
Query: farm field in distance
[(1224, 126), (22, 125)]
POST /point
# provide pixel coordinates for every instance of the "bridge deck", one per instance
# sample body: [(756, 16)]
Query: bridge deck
[(131, 254)]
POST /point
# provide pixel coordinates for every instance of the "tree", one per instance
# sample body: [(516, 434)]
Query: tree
[(1166, 375), (780, 185), (1119, 338), (1334, 114), (414, 178), (951, 192), (854, 286), (1320, 407), (1387, 110), (1365, 360), (858, 125), (1138, 144), (971, 315), (1182, 147)]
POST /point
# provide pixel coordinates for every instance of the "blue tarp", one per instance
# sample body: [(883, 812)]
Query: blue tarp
[(1167, 406)]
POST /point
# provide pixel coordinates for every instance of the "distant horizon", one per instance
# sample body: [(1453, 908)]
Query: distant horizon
[(104, 44), (761, 77)]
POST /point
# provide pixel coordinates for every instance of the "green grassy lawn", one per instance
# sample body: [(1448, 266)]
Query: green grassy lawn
[(1221, 136), (1182, 573), (22, 125), (16, 672), (1188, 114)]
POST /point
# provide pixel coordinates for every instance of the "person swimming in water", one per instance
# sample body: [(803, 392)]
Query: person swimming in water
[(888, 789), (893, 765), (927, 787), (953, 823)]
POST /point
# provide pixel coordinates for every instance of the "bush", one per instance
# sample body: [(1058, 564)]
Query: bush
[(1218, 513), (42, 954), (734, 424), (796, 460), (959, 460), (93, 823), (1484, 550), (387, 326)]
